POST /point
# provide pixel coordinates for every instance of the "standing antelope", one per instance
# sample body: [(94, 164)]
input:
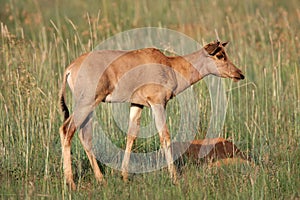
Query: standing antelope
[(144, 77)]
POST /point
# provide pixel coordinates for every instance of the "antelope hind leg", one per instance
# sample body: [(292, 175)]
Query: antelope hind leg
[(67, 131), (85, 136)]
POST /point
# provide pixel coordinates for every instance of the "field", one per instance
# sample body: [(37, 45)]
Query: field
[(40, 38)]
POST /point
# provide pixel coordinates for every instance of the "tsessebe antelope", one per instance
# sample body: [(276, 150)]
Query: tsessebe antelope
[(144, 77)]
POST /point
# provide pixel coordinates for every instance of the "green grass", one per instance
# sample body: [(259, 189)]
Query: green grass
[(39, 38)]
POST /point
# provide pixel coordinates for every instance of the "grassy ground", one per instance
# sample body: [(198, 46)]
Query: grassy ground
[(39, 38)]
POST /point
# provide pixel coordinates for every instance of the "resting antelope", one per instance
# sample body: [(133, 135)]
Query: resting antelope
[(213, 151), (144, 77)]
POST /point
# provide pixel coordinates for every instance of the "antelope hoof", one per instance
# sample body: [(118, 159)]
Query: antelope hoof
[(125, 177), (102, 181), (174, 179), (72, 185)]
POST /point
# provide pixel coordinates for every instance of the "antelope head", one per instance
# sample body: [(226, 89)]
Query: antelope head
[(222, 67)]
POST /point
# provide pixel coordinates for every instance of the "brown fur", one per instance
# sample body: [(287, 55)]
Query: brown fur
[(120, 76), (210, 150)]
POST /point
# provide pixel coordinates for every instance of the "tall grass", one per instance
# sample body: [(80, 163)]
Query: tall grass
[(40, 38)]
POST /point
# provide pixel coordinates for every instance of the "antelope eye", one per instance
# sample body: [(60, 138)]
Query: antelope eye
[(220, 56)]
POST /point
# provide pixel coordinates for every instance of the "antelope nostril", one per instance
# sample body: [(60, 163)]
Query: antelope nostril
[(242, 76)]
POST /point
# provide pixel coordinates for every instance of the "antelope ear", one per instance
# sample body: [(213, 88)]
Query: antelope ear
[(225, 43), (212, 48)]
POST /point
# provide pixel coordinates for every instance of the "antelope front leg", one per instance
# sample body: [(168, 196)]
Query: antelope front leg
[(165, 142), (130, 140), (160, 122), (133, 129)]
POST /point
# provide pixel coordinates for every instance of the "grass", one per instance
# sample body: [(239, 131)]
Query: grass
[(39, 38)]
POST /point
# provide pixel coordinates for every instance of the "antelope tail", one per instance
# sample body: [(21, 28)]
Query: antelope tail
[(63, 104)]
